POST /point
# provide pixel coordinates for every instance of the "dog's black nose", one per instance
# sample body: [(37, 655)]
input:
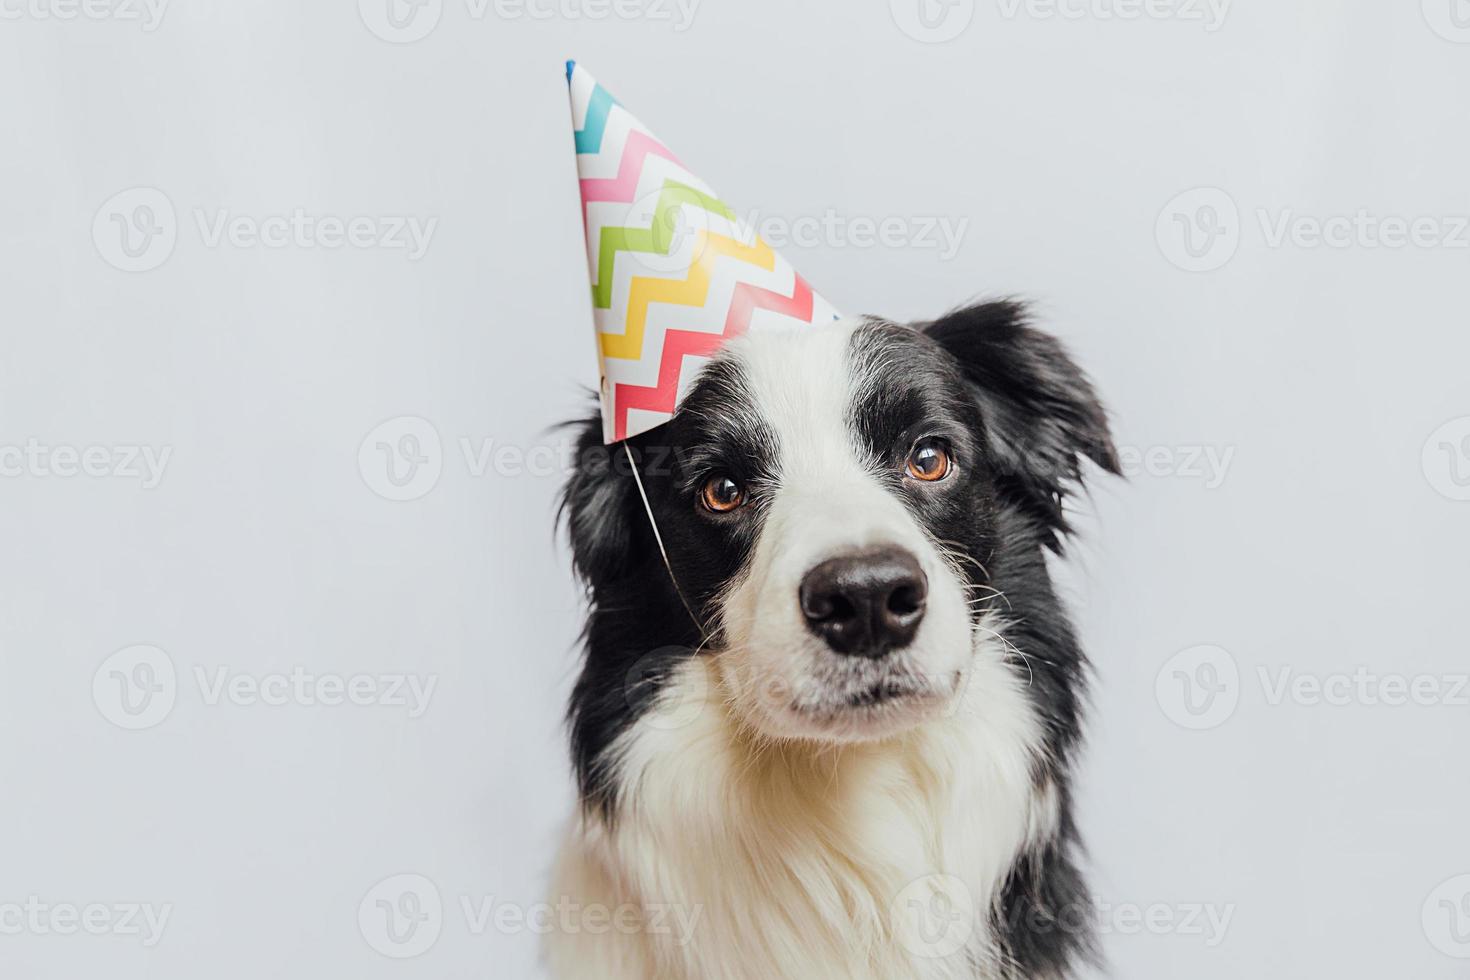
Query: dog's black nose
[(866, 604)]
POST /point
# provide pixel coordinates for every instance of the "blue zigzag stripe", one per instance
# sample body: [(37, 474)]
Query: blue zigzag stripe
[(589, 137)]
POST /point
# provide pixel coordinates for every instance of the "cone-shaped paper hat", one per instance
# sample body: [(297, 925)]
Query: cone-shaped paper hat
[(674, 275)]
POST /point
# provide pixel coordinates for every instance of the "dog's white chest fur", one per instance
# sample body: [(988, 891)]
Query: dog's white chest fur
[(758, 861)]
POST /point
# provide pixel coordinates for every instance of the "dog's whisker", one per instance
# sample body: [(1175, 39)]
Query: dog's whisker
[(995, 594), (1008, 647), (958, 548)]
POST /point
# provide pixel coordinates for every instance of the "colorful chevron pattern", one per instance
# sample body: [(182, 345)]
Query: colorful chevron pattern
[(674, 275)]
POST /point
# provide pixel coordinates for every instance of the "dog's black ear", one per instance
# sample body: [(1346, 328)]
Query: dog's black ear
[(600, 506), (1040, 412)]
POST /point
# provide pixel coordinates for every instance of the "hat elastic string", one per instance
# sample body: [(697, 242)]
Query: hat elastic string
[(648, 509)]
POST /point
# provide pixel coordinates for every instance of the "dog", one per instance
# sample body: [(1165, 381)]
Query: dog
[(830, 702)]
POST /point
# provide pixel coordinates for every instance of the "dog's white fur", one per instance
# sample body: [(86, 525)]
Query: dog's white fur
[(867, 847), (802, 860), (829, 502)]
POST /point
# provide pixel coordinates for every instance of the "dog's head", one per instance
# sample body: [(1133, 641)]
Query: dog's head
[(830, 500)]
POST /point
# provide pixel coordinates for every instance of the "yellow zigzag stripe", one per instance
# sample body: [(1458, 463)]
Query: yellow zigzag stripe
[(690, 291)]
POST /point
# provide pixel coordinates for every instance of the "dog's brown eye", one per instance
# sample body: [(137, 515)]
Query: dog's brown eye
[(928, 461), (722, 494)]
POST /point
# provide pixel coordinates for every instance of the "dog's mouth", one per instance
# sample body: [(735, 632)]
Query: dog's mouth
[(873, 707), (884, 692)]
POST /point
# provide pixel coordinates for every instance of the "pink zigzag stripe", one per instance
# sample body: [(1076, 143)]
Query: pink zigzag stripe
[(678, 344), (621, 188)]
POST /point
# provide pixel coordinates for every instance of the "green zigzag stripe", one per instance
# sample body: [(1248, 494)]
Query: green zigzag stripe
[(656, 238)]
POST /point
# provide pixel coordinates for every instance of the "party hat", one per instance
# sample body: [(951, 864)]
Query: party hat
[(674, 272)]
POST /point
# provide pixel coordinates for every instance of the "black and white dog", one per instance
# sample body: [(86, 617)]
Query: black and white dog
[(841, 746)]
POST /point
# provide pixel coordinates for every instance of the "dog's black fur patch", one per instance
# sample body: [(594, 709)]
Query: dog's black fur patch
[(1021, 418)]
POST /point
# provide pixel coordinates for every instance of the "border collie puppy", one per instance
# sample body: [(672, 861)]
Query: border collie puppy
[(836, 741)]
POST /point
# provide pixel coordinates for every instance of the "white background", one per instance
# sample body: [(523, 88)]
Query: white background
[(1331, 835)]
